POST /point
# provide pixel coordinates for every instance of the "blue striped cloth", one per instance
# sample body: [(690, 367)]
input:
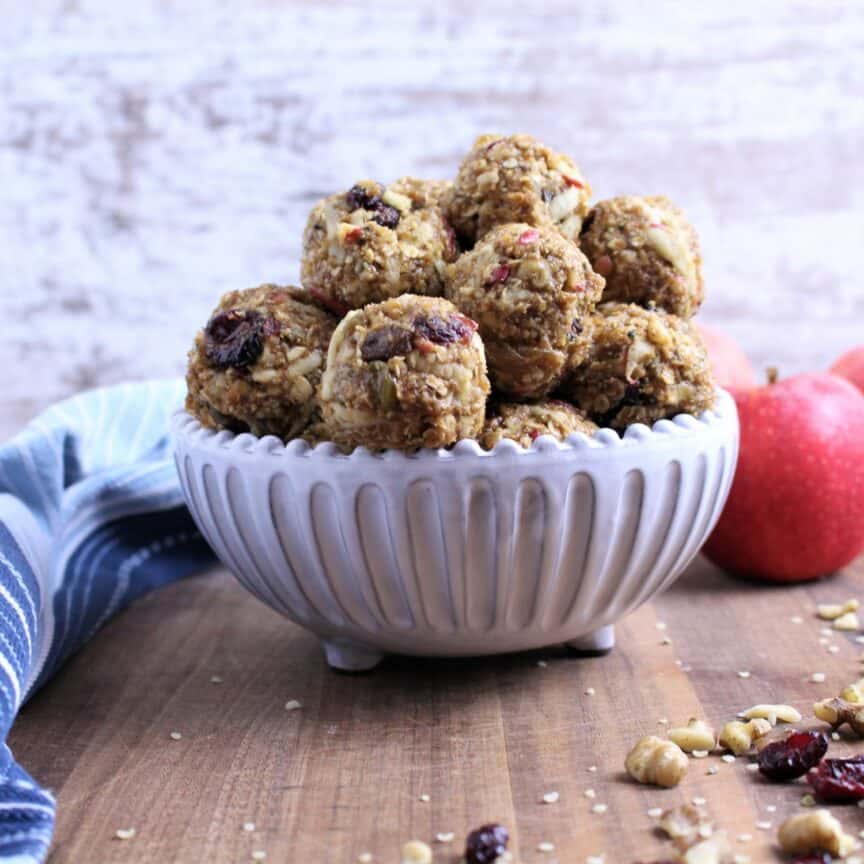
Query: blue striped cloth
[(91, 517)]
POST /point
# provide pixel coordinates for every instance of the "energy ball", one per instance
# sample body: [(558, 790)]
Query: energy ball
[(530, 291), (516, 179), (374, 242), (256, 366), (409, 372), (524, 423), (643, 366), (647, 252)]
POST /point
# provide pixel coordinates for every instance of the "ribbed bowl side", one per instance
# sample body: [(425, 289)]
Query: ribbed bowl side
[(461, 551)]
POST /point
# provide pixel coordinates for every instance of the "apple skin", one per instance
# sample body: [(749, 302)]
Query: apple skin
[(796, 508), (851, 367), (730, 366)]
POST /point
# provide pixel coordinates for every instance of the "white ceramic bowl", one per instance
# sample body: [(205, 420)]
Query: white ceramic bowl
[(462, 551)]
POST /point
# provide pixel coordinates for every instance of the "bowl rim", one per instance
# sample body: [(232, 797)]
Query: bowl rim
[(186, 426)]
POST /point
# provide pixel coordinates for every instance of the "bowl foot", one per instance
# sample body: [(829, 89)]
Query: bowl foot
[(595, 644), (345, 656)]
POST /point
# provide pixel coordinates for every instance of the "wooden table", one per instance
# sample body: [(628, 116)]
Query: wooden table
[(483, 739)]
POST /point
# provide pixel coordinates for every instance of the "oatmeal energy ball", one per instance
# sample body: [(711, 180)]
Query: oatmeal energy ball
[(374, 242), (531, 291), (524, 423), (516, 179), (643, 366), (256, 365), (409, 372), (647, 252)]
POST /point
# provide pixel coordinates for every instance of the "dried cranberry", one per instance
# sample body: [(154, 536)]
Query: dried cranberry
[(500, 274), (236, 338), (386, 216), (386, 342), (486, 844), (838, 781), (526, 238), (443, 331), (337, 307), (572, 181), (792, 757), (358, 198)]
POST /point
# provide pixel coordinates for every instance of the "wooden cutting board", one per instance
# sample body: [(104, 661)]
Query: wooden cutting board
[(350, 770)]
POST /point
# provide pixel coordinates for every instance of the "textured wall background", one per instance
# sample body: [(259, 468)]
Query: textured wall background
[(154, 154)]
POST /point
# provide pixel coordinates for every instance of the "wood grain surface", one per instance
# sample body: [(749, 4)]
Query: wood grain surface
[(156, 154), (484, 739)]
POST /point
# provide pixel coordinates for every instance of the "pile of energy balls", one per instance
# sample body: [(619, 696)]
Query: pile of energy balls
[(501, 305)]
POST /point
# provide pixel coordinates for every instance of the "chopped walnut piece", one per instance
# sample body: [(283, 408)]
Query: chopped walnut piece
[(832, 611), (739, 736), (656, 762), (817, 829), (774, 714), (686, 825), (696, 735), (837, 712)]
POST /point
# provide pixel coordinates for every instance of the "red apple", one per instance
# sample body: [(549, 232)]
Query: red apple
[(796, 508), (729, 364), (851, 367)]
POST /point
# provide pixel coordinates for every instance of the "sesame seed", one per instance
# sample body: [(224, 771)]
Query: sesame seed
[(744, 838), (595, 859), (743, 673), (860, 804), (550, 798), (660, 625), (662, 721), (259, 855), (728, 757), (763, 826), (592, 769), (833, 649), (655, 812), (542, 664), (738, 858), (699, 802), (687, 668), (835, 736), (364, 857), (665, 641), (590, 691), (713, 770), (248, 826), (699, 754), (859, 640), (216, 679), (752, 767), (175, 736), (124, 833), (770, 808), (444, 837), (807, 800), (545, 846), (824, 640), (425, 798), (293, 705), (824, 631), (590, 793), (599, 809), (818, 678)]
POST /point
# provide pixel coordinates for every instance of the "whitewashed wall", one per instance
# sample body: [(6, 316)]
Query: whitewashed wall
[(154, 154)]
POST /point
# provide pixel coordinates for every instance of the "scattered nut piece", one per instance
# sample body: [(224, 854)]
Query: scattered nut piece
[(807, 800), (848, 622), (124, 833), (657, 762), (817, 829), (739, 737), (714, 850), (836, 712), (416, 852), (854, 692), (686, 825), (831, 611), (774, 714), (696, 735)]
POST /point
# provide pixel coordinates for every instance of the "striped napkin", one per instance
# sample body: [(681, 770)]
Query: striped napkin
[(91, 517)]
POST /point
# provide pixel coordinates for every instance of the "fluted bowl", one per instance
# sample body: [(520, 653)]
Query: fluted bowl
[(461, 551)]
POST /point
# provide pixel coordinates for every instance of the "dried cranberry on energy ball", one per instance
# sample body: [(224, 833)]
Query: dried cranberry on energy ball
[(487, 843), (235, 338)]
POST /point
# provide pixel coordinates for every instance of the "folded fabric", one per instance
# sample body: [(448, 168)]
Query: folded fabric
[(91, 517)]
